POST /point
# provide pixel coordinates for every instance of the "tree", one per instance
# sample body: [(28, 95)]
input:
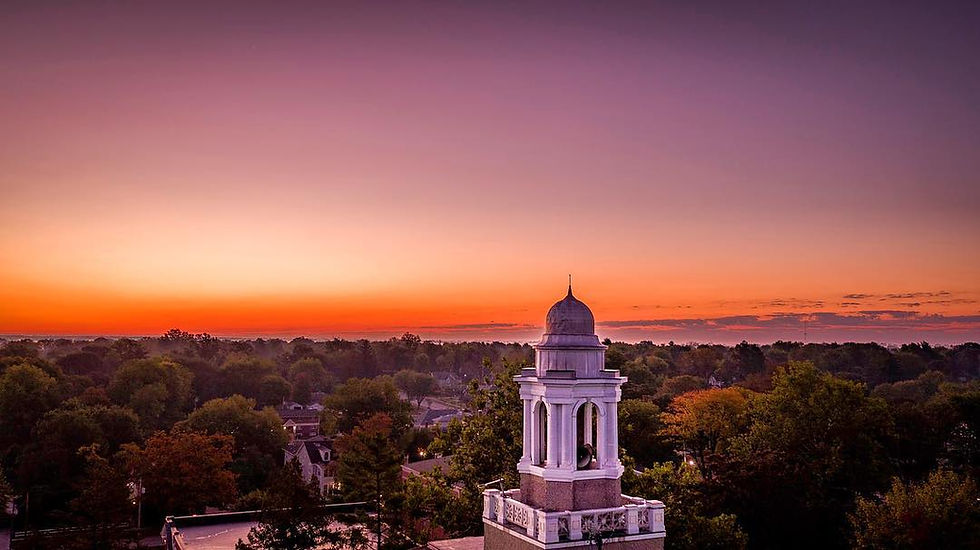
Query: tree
[(691, 521), (369, 467), (641, 432), (434, 509), (366, 363), (82, 362), (702, 361), (127, 349), (488, 444), (26, 393), (258, 435), (273, 390), (312, 368), (255, 378), (157, 389), (814, 443), (103, 501), (360, 398), (183, 471), (302, 389), (293, 515), (941, 512), (416, 385), (6, 494), (644, 377), (370, 463), (741, 361), (705, 421), (53, 458), (676, 385)]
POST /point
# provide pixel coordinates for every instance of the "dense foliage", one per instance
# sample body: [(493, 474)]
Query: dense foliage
[(782, 445)]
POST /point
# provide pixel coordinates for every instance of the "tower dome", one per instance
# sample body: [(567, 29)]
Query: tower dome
[(570, 316)]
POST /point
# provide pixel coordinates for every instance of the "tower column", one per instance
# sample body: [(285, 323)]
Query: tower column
[(611, 446), (528, 430), (615, 432), (568, 437), (554, 419)]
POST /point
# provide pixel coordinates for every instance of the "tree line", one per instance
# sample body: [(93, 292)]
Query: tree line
[(767, 446)]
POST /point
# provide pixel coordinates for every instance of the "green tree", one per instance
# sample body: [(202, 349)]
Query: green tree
[(692, 523), (416, 385), (103, 501), (313, 369), (273, 390), (369, 467), (293, 515), (157, 389), (434, 508), (641, 432), (644, 377), (360, 398), (815, 442), (941, 512), (26, 393), (488, 444), (742, 360), (302, 389), (259, 436)]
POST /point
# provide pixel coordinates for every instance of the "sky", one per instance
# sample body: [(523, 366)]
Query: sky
[(709, 173)]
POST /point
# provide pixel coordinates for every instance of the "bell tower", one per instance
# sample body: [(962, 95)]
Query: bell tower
[(570, 470), (571, 446)]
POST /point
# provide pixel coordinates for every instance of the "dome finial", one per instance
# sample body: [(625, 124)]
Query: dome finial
[(569, 284)]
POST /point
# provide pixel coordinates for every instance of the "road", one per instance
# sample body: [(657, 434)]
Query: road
[(215, 537)]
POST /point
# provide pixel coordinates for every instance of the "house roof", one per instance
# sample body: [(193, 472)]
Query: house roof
[(428, 465), (431, 415), (312, 416), (318, 450)]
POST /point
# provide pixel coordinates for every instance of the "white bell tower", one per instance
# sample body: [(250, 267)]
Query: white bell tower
[(570, 469), (571, 444)]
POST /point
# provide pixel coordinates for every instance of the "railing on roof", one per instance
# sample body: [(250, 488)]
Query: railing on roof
[(636, 516)]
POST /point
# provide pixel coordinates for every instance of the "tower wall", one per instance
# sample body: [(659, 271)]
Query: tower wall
[(581, 494)]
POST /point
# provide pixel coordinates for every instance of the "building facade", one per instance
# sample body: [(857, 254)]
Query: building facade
[(570, 493), (316, 458)]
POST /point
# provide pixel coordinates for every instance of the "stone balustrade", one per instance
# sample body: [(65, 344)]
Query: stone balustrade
[(635, 516)]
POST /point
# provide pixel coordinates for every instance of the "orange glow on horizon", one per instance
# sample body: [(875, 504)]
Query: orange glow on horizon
[(325, 171)]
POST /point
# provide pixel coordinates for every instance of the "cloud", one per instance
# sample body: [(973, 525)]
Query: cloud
[(882, 325), (792, 303), (479, 326), (901, 296), (909, 295)]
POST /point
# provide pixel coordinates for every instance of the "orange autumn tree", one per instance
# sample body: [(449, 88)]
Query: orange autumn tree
[(182, 471), (703, 422)]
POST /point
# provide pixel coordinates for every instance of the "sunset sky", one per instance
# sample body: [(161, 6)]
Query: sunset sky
[(354, 169)]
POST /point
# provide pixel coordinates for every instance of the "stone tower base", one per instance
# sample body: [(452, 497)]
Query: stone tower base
[(581, 494), (498, 537)]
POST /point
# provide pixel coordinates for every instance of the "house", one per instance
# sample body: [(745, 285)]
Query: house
[(448, 380), (427, 466), (301, 423), (438, 418), (316, 458)]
